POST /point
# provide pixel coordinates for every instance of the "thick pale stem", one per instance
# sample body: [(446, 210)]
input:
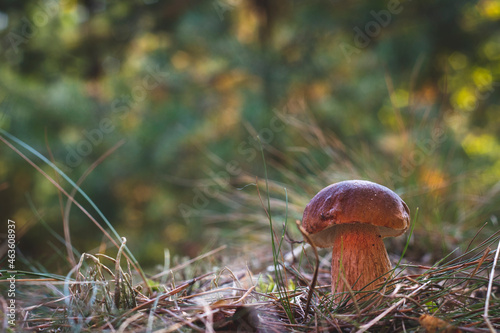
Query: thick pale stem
[(359, 255)]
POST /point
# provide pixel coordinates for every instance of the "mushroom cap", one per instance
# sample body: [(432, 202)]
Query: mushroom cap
[(355, 201)]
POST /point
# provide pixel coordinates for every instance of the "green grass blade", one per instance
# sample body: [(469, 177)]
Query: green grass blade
[(85, 196)]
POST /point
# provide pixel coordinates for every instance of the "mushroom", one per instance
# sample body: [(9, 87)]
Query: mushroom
[(353, 216)]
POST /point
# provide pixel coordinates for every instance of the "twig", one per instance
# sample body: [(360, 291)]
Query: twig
[(289, 239), (245, 295)]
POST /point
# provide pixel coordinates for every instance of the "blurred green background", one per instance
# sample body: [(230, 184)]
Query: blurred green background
[(403, 93)]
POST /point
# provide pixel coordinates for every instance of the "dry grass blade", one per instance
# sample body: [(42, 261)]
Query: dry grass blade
[(67, 237), (201, 303), (129, 321), (67, 208), (108, 236), (364, 328), (316, 268), (490, 287), (189, 262), (124, 293)]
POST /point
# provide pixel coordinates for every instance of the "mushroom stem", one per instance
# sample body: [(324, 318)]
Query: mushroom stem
[(359, 254)]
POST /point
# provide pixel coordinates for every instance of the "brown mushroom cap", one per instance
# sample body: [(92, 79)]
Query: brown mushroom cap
[(355, 201)]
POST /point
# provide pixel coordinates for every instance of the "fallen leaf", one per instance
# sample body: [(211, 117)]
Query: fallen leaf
[(244, 319), (433, 325)]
